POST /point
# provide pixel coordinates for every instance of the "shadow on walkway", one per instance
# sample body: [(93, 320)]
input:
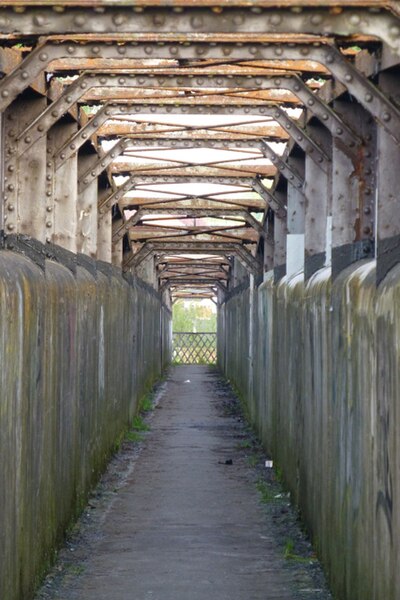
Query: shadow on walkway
[(182, 519)]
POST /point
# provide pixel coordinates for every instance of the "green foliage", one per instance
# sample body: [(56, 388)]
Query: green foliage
[(133, 436), (264, 491), (139, 425), (193, 317)]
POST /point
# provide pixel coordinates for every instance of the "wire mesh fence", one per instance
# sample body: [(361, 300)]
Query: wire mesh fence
[(194, 348)]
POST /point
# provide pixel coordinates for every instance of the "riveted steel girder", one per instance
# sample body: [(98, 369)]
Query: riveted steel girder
[(358, 85), (177, 281), (109, 110), (245, 23), (298, 134), (226, 249), (140, 180), (189, 213), (102, 163), (289, 172), (274, 202), (75, 91)]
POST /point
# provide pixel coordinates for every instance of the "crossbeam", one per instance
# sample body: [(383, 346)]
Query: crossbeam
[(232, 248), (101, 164), (245, 24), (194, 213), (75, 91), (289, 172)]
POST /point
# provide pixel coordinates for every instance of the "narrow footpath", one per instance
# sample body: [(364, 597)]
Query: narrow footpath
[(187, 523)]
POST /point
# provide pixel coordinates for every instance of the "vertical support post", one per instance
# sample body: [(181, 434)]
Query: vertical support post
[(87, 209), (104, 229), (388, 186), (295, 227), (280, 232), (251, 341), (352, 191), (2, 174), (65, 189), (116, 249), (24, 177), (317, 209)]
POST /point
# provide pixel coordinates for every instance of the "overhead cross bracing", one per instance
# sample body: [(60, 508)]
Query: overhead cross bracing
[(191, 122)]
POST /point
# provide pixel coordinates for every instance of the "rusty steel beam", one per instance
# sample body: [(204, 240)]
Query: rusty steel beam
[(271, 198), (105, 204), (288, 171), (226, 249), (101, 164), (243, 23), (297, 133), (358, 85), (75, 90), (110, 110), (189, 213), (177, 281)]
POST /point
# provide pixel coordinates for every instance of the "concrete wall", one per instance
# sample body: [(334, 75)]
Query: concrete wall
[(77, 351), (323, 392)]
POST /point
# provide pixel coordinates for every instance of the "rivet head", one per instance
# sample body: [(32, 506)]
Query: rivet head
[(119, 20), (39, 20), (70, 49), (339, 131), (24, 75), (368, 97), (11, 207), (310, 102), (27, 140), (5, 93), (386, 116), (355, 20), (48, 193), (49, 209), (196, 22), (158, 20), (316, 19), (275, 20), (348, 77), (10, 227), (80, 20), (49, 224), (43, 56), (54, 113)]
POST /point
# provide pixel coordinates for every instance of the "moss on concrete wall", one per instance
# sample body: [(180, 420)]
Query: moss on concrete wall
[(323, 392), (76, 354)]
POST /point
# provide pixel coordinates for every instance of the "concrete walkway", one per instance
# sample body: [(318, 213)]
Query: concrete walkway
[(186, 526)]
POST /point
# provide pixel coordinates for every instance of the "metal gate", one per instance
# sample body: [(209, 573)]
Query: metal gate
[(194, 348)]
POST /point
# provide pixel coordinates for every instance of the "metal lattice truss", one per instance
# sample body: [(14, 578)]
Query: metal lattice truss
[(189, 115)]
